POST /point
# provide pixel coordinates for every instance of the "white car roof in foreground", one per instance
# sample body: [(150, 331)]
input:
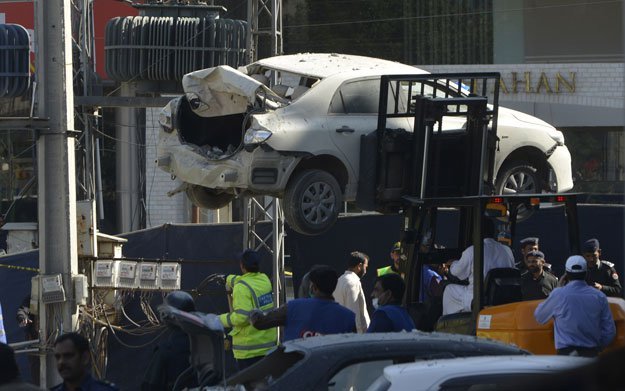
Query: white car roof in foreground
[(436, 371), (323, 65)]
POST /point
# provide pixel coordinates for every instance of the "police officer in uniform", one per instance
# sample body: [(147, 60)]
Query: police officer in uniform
[(73, 359), (250, 291), (387, 297), (527, 245), (536, 283), (309, 317), (601, 274)]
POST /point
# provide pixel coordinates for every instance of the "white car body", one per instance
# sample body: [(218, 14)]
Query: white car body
[(484, 372), (300, 130)]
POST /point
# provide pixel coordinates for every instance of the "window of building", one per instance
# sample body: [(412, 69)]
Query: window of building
[(598, 159)]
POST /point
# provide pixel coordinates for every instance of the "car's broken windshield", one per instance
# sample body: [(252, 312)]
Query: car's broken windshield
[(285, 84)]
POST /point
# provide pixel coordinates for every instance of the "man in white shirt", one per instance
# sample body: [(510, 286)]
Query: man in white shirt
[(457, 298), (349, 293)]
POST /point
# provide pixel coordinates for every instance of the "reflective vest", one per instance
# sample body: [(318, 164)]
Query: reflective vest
[(3, 336), (386, 270), (313, 317), (249, 291)]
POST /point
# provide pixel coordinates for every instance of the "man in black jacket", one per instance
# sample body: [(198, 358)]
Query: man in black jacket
[(537, 283), (601, 274)]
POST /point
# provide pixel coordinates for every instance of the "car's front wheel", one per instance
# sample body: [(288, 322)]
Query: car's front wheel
[(518, 178), (208, 198), (312, 201)]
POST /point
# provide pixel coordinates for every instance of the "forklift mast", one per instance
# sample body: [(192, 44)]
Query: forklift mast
[(445, 162), (448, 155)]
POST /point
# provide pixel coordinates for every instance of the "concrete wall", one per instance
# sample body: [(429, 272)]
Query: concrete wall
[(160, 208)]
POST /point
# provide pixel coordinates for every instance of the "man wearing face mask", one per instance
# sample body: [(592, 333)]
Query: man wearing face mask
[(389, 315), (349, 293)]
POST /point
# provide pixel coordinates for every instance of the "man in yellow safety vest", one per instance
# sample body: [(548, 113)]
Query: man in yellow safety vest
[(396, 257), (251, 290)]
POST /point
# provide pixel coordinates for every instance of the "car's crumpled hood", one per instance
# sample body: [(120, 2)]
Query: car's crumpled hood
[(221, 90)]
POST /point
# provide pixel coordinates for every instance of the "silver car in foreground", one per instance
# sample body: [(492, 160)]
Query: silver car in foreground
[(290, 127), (475, 373)]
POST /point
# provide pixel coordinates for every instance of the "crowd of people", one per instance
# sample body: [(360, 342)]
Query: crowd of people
[(330, 303)]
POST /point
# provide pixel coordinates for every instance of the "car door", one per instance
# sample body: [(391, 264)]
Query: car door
[(353, 112)]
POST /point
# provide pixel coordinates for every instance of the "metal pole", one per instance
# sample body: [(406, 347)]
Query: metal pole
[(127, 168), (98, 181), (278, 252), (56, 171), (252, 26)]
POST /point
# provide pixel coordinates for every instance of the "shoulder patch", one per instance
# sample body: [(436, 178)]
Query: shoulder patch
[(615, 276)]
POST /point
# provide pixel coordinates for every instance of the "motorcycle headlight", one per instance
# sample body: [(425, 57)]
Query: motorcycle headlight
[(256, 136)]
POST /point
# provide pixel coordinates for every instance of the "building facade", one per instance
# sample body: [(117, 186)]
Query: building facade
[(583, 100)]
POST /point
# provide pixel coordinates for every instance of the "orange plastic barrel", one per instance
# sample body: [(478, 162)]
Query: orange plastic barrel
[(515, 324)]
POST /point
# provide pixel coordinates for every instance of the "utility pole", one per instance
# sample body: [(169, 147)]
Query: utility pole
[(56, 171)]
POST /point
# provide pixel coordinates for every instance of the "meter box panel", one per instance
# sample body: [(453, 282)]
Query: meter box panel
[(105, 273), (81, 289), (128, 275), (148, 275), (170, 276), (52, 290)]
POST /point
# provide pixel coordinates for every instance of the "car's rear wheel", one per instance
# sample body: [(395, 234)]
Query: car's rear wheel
[(312, 202), (208, 198)]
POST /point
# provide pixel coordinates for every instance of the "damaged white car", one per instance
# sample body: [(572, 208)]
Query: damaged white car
[(290, 127)]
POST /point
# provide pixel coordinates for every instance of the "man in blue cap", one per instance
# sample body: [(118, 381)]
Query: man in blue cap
[(601, 274), (583, 323)]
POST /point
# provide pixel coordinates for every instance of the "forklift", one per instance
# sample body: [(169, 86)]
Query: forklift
[(439, 177)]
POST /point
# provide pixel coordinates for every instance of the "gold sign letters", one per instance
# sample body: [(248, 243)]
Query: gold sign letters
[(524, 84)]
